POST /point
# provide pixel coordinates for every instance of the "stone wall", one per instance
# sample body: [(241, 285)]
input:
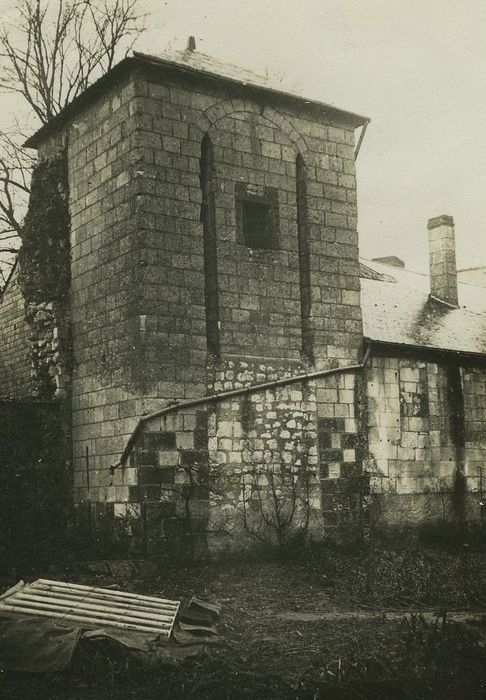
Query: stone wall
[(426, 431), (50, 348), (267, 311), (106, 263), (262, 467), (15, 348), (169, 300), (474, 389)]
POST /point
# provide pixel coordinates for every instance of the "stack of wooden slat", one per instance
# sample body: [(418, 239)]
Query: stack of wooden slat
[(91, 607)]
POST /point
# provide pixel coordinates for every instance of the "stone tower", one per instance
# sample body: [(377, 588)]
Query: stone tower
[(213, 247)]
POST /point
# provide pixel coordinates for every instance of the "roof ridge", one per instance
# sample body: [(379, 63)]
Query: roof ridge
[(170, 57), (402, 269), (425, 274)]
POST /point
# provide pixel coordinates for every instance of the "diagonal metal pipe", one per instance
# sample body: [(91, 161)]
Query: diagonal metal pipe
[(191, 403)]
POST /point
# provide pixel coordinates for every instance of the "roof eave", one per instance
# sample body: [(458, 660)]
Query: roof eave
[(409, 348), (356, 119), (125, 65), (97, 88)]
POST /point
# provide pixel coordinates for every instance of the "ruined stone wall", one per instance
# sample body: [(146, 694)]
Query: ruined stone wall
[(426, 431), (15, 347), (50, 348), (35, 305), (44, 276)]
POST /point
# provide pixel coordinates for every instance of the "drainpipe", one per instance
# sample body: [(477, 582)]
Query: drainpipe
[(230, 394)]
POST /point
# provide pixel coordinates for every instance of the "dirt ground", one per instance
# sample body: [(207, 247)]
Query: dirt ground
[(296, 628)]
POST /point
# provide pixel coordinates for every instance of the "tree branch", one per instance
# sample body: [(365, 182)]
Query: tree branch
[(50, 54), (63, 47)]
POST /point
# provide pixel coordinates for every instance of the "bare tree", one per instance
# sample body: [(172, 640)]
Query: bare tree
[(16, 165), (49, 53)]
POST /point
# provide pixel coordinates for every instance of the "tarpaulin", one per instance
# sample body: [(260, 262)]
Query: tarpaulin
[(39, 644), (32, 644)]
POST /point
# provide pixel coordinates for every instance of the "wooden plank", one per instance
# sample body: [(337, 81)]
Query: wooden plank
[(87, 605), (96, 597), (62, 585), (117, 594), (87, 614), (95, 622), (102, 600), (18, 587)]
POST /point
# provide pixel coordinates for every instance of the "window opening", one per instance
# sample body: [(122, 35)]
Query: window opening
[(257, 216), (257, 225)]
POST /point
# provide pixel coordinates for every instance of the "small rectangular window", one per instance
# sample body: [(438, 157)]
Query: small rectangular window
[(257, 216), (257, 225)]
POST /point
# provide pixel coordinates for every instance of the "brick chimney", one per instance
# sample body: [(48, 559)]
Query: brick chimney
[(442, 259)]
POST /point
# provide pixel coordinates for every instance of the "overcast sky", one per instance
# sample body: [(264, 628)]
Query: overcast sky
[(417, 68)]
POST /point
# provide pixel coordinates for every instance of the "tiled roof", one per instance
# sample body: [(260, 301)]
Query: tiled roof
[(397, 309), (473, 275)]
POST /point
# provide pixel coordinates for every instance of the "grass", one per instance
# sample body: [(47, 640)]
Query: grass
[(262, 655)]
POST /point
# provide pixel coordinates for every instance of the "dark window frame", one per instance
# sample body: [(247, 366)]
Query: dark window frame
[(249, 200)]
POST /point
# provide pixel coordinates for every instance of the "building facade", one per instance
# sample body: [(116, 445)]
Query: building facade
[(210, 343)]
